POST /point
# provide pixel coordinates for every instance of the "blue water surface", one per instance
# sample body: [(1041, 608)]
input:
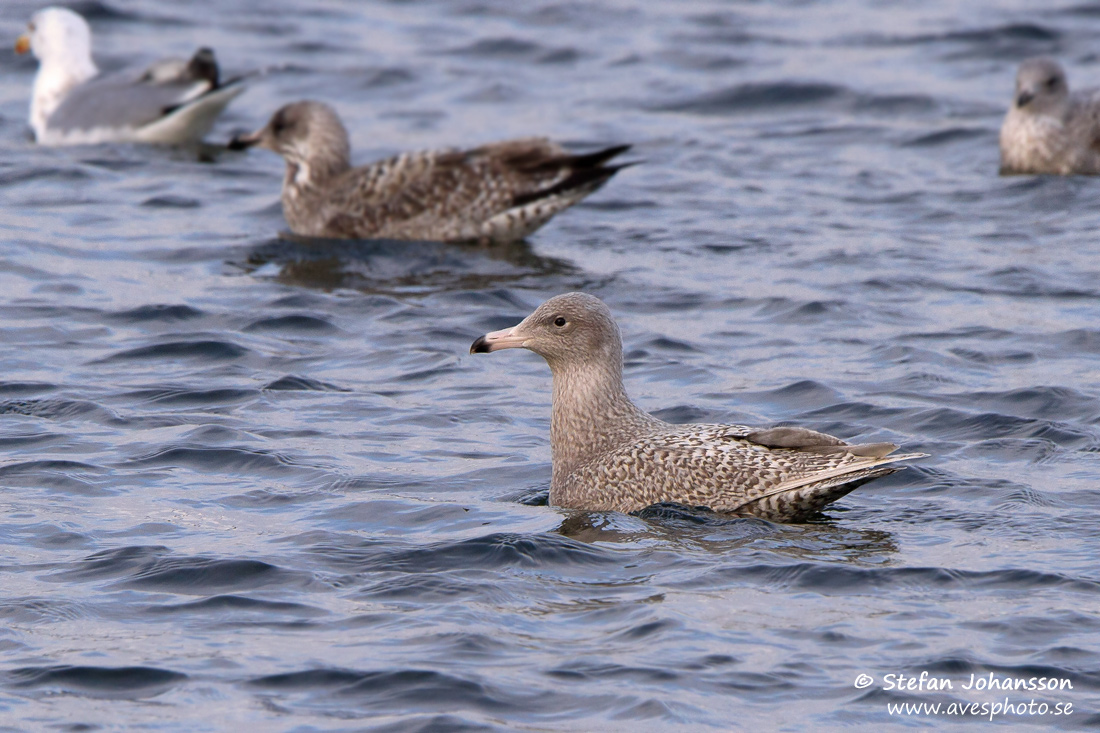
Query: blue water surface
[(249, 482)]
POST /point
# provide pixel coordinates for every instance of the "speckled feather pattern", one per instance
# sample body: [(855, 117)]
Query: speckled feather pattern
[(1054, 131), (713, 466), (610, 456), (496, 193), (1063, 144), (445, 195)]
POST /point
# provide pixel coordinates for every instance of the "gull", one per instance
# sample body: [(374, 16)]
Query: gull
[(495, 193), (608, 455), (172, 102), (1048, 129)]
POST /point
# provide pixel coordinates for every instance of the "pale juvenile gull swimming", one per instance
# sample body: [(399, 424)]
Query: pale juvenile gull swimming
[(172, 102), (610, 456), (1048, 129), (496, 193)]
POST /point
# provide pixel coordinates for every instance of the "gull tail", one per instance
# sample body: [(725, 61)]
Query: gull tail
[(577, 176), (190, 121), (799, 500)]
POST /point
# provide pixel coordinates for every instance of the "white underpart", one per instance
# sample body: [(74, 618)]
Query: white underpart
[(1032, 141), (62, 43), (301, 161), (301, 178)]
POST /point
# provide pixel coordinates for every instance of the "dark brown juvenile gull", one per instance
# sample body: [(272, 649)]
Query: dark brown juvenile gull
[(496, 193), (610, 456), (1048, 129)]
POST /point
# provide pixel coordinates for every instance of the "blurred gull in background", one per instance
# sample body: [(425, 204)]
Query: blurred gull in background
[(496, 193), (173, 101)]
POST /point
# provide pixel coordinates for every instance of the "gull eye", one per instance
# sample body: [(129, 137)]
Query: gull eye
[(1052, 82), (560, 321)]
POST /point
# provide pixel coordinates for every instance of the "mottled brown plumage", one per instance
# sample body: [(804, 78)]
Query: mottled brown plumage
[(610, 456), (1048, 129), (500, 192)]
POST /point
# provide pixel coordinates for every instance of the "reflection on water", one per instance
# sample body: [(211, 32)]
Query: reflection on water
[(702, 529), (390, 266)]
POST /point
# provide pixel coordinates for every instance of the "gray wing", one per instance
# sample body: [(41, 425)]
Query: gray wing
[(1084, 119), (734, 468), (123, 101)]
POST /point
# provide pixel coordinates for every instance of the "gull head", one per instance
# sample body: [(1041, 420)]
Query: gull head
[(307, 134), (569, 331), (57, 36), (1040, 85)]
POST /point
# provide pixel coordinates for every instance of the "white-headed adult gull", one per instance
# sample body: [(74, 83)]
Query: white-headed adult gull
[(174, 101)]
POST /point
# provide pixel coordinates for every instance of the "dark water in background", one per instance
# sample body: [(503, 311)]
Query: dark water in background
[(259, 484)]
